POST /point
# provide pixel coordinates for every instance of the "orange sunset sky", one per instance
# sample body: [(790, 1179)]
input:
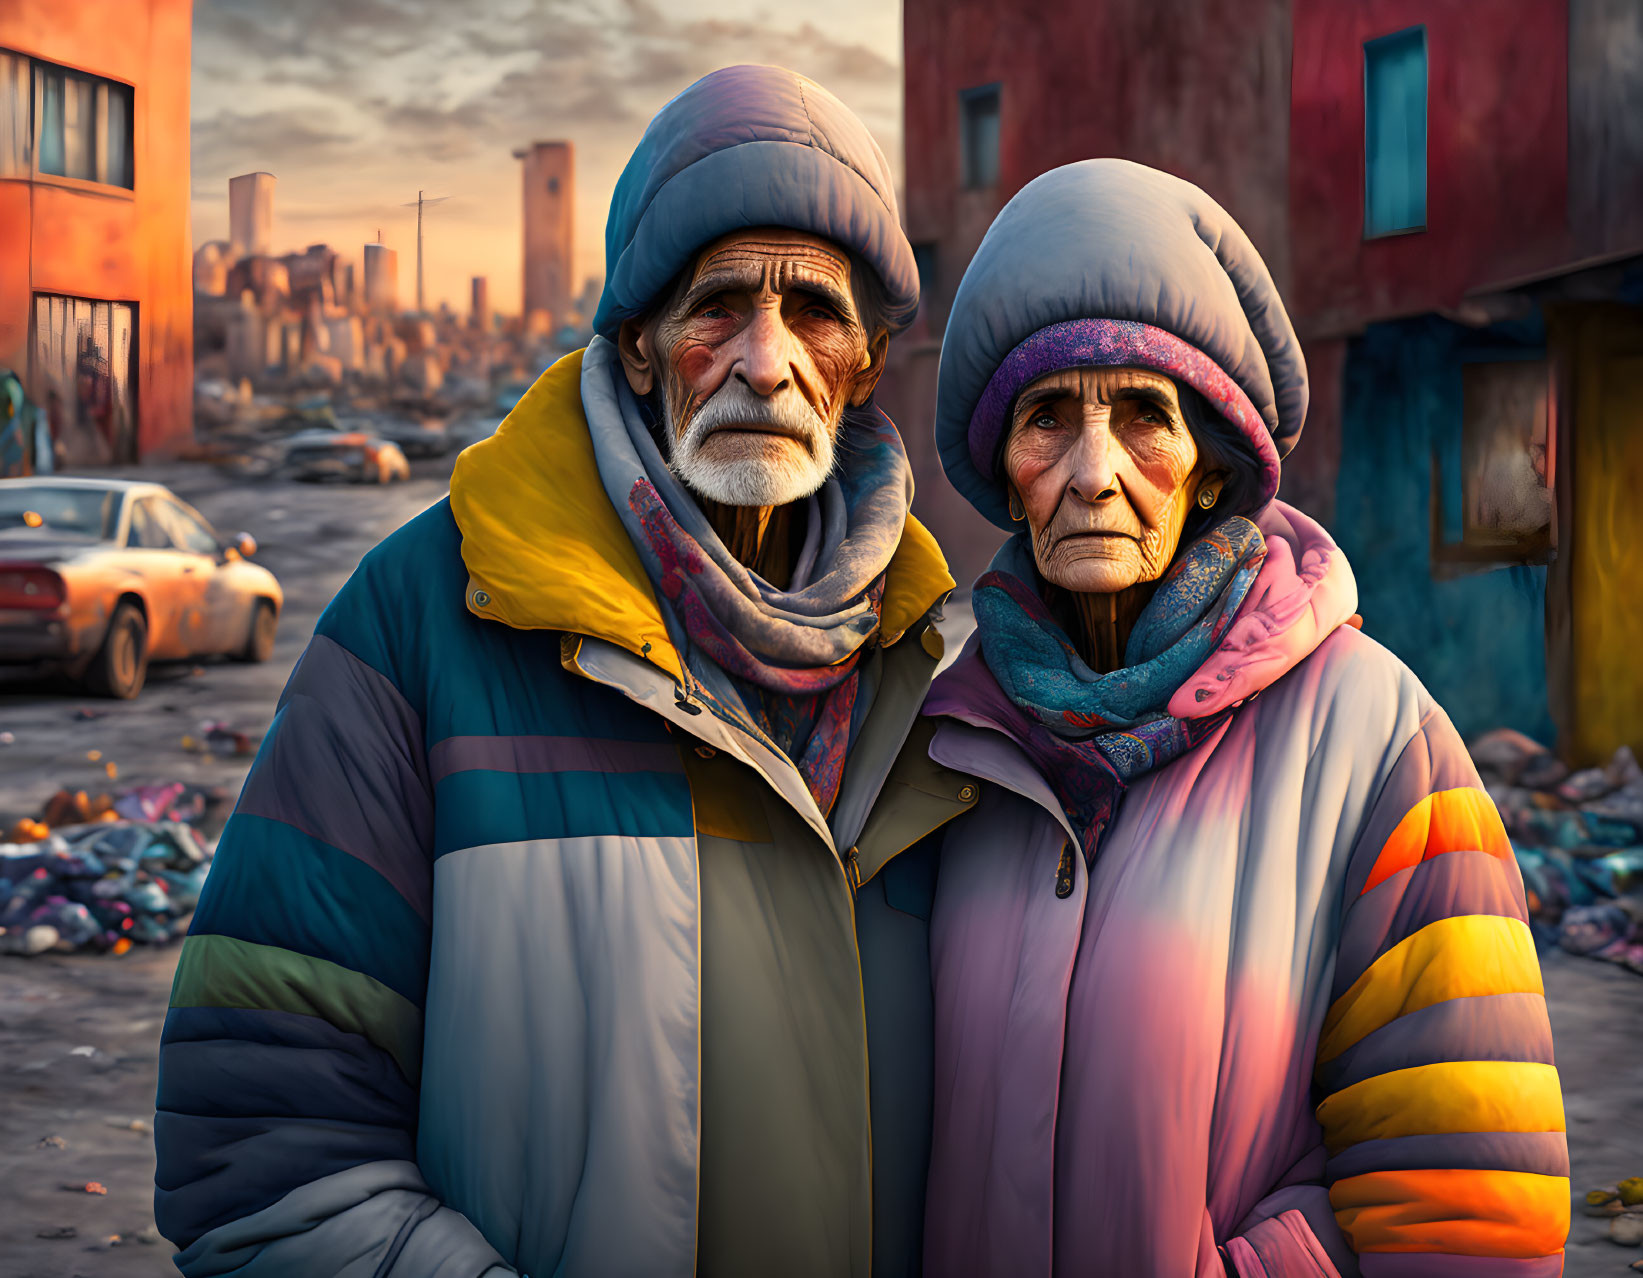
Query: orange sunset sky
[(354, 105)]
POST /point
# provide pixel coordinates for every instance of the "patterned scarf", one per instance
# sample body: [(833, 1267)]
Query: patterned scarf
[(1092, 734), (780, 664)]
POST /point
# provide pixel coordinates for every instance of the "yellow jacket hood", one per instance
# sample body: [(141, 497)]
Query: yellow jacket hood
[(545, 550)]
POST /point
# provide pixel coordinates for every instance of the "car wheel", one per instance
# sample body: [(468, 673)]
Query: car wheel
[(259, 642), (121, 665)]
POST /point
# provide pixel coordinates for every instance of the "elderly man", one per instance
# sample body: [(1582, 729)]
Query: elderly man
[(558, 929)]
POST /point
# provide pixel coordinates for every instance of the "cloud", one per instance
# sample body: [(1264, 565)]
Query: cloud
[(354, 101)]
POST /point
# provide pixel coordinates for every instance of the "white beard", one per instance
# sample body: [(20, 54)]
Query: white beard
[(789, 471)]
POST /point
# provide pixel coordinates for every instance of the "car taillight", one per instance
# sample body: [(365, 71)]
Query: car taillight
[(30, 588)]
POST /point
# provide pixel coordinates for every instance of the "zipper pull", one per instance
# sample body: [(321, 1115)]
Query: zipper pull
[(1064, 871), (852, 870)]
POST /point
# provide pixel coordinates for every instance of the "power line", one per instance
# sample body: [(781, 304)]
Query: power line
[(420, 202)]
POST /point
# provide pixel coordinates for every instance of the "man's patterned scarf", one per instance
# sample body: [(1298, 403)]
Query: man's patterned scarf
[(1092, 734), (781, 664)]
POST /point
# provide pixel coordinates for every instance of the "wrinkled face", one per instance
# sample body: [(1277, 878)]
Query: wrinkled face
[(1103, 464), (756, 356)]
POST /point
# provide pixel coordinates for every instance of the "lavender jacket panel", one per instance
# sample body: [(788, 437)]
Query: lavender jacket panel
[(1124, 1075)]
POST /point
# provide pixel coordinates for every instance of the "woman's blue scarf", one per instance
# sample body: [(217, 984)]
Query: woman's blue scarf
[(1093, 733)]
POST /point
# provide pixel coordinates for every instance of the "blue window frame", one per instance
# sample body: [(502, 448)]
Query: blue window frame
[(1394, 135), (978, 136)]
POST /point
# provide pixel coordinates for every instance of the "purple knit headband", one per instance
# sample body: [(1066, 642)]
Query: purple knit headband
[(1109, 343)]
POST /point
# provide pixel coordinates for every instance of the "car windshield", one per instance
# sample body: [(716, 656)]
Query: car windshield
[(47, 512)]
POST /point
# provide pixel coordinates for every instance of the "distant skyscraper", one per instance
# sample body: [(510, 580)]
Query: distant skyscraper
[(381, 278), (480, 313), (549, 179), (250, 215)]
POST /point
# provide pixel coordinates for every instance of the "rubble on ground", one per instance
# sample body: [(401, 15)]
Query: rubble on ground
[(1578, 838), (108, 872)]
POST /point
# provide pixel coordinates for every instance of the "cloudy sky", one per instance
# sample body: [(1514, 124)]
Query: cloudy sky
[(354, 105)]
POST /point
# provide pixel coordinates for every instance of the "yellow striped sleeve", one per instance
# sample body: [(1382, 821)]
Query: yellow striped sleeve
[(1462, 957), (1449, 1097)]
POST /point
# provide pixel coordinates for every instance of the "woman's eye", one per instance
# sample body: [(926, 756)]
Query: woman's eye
[(821, 312), (713, 312), (1046, 421)]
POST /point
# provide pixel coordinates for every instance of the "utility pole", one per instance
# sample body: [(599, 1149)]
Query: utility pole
[(420, 201)]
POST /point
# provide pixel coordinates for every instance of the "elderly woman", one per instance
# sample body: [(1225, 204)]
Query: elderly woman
[(1231, 965)]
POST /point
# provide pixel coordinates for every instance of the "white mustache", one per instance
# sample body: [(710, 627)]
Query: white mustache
[(735, 404)]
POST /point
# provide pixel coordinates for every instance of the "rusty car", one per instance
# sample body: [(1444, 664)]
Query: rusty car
[(98, 577)]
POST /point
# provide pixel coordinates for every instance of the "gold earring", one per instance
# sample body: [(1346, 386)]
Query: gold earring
[(1017, 511), (1207, 496)]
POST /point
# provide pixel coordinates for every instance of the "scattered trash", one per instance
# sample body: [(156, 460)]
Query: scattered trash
[(219, 737), (83, 1051), (93, 755), (113, 1240), (6, 738), (87, 1187), (1631, 1191), (58, 1231), (129, 1125), (52, 1142), (1578, 838), (1627, 1229), (112, 770), (102, 885)]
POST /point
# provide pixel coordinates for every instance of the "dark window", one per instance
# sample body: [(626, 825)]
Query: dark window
[(1394, 135), (978, 136), (924, 258), (74, 125)]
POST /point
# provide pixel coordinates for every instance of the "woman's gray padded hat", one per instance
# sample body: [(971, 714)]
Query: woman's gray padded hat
[(751, 146), (1108, 262)]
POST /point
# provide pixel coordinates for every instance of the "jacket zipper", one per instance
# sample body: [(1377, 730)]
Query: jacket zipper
[(1064, 871)]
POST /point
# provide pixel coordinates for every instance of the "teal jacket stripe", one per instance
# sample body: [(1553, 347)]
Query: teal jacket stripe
[(477, 808), (271, 884)]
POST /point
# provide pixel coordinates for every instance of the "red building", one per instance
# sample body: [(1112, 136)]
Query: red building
[(1450, 196), (96, 295)]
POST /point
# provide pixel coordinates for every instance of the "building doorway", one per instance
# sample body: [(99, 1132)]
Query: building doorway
[(83, 377)]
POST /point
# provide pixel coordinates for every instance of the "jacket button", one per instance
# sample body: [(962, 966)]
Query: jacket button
[(966, 793), (706, 751)]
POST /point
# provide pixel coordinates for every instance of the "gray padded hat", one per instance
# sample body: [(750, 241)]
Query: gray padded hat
[(751, 146)]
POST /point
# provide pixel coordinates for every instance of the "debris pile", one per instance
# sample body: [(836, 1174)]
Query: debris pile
[(106, 884), (1578, 837)]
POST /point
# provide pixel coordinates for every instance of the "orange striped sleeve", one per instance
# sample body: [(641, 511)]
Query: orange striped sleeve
[(1449, 821), (1504, 1214)]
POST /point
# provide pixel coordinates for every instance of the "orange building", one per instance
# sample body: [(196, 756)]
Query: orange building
[(96, 295)]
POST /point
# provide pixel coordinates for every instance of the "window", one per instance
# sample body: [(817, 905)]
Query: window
[(63, 123), (83, 370), (1394, 139), (15, 114), (924, 259), (1507, 449), (187, 530), (978, 136), (147, 532)]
